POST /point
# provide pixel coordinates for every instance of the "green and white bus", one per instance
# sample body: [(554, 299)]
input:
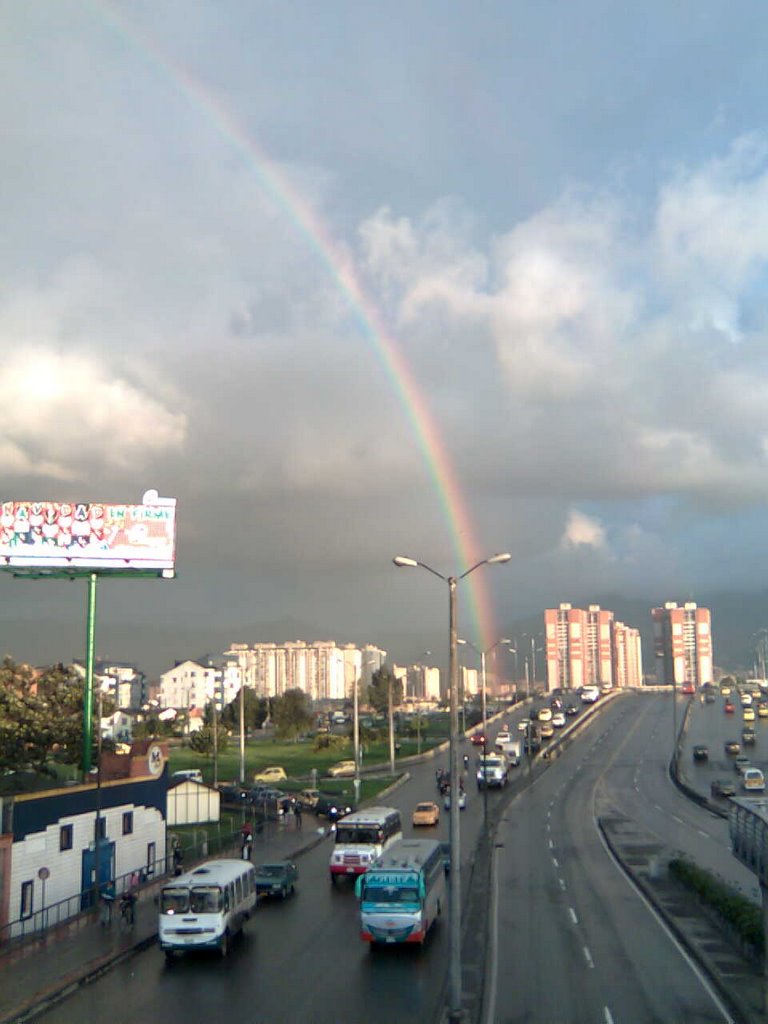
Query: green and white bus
[(403, 893)]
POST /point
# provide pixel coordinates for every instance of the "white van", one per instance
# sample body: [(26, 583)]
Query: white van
[(187, 773)]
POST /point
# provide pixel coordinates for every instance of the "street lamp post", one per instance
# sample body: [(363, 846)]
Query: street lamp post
[(484, 703), (454, 995)]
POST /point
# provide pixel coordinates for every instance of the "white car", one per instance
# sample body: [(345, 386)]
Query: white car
[(558, 719), (746, 700), (502, 738), (523, 724)]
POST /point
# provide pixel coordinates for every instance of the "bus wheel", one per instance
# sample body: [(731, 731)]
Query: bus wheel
[(169, 957), (439, 908), (224, 944), (333, 879)]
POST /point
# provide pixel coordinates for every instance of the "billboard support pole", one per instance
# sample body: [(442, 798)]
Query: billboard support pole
[(89, 660)]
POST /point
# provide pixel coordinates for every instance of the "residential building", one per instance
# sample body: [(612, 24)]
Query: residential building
[(323, 669), (588, 647), (189, 684), (682, 639), (420, 682), (122, 681)]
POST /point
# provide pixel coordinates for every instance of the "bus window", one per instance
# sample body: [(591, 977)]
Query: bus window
[(174, 901), (205, 900)]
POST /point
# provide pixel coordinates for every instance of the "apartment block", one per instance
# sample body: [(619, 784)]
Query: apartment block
[(682, 639), (589, 647), (323, 669)]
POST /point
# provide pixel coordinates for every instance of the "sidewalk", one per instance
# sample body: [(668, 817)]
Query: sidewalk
[(41, 972)]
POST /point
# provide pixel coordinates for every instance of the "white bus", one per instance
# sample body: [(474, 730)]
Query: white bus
[(361, 837), (205, 907), (403, 893)]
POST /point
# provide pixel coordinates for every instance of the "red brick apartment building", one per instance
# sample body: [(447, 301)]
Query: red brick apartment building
[(589, 647), (682, 640)]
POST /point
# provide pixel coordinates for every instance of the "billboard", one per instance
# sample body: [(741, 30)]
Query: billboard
[(59, 536)]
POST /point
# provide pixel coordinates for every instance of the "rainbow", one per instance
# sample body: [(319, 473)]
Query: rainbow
[(275, 184)]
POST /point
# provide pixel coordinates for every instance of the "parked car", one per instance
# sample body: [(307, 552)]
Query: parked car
[(426, 813), (341, 768), (732, 747), (274, 773), (308, 799), (700, 752), (722, 787), (276, 879)]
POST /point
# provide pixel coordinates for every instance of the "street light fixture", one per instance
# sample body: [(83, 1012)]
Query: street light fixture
[(404, 562), (483, 698)]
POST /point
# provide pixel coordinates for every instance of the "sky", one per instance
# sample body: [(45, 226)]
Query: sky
[(352, 280)]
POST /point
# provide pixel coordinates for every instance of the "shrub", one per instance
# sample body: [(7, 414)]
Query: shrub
[(737, 910)]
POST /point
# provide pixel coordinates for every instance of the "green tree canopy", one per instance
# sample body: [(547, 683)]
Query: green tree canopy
[(201, 741), (291, 714), (41, 717), (255, 711), (378, 691)]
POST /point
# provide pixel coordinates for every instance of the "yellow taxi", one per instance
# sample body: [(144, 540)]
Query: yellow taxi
[(748, 714), (426, 813)]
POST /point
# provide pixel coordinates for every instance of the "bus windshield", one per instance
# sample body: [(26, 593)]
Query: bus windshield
[(205, 900), (174, 901), (374, 893)]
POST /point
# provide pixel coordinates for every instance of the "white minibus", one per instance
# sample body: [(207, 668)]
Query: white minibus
[(361, 837), (205, 907), (403, 893)]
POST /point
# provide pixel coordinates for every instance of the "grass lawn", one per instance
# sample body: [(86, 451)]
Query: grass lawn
[(298, 759)]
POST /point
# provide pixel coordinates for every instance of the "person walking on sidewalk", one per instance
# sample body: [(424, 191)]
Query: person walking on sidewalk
[(297, 813)]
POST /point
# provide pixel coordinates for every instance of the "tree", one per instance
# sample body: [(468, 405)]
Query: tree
[(41, 717), (255, 711), (291, 714), (378, 691), (201, 741)]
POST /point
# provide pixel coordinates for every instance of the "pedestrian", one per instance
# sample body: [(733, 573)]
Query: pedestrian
[(297, 813), (106, 899), (178, 857)]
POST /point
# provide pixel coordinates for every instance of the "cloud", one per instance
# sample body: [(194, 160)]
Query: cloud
[(582, 530)]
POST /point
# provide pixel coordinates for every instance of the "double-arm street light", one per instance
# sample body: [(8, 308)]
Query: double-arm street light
[(483, 689), (403, 562), (484, 701)]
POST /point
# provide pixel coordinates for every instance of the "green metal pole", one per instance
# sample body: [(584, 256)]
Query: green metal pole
[(90, 648)]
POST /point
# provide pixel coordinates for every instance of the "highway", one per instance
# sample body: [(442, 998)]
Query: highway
[(576, 942)]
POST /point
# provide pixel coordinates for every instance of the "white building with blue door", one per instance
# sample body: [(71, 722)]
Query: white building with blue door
[(49, 859)]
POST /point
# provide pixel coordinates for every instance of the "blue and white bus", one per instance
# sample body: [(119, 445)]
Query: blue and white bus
[(362, 837), (206, 907), (403, 893)]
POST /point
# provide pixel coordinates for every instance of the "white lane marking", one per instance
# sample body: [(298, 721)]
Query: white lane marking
[(678, 820), (705, 834), (554, 861), (588, 957), (551, 844), (572, 912), (561, 883), (608, 1016)]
